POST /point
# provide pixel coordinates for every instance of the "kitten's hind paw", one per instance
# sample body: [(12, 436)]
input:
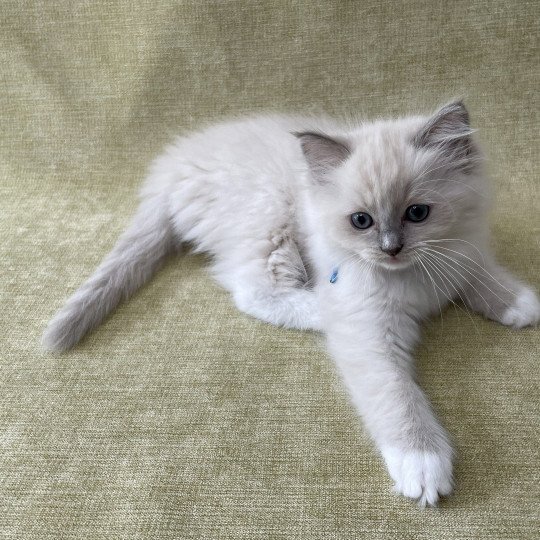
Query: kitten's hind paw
[(525, 310), (420, 475)]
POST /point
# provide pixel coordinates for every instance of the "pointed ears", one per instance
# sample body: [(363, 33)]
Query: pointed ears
[(449, 132), (322, 153)]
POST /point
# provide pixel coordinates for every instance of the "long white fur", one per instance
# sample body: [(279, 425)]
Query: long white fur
[(273, 213)]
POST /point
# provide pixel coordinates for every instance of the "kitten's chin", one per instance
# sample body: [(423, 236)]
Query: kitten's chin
[(394, 263)]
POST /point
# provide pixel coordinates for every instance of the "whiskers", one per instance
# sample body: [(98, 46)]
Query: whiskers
[(446, 280), (439, 240), (418, 260), (457, 272)]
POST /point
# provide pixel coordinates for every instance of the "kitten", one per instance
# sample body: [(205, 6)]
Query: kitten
[(360, 231)]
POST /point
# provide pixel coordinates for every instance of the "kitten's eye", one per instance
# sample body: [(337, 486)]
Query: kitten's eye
[(361, 220), (417, 212)]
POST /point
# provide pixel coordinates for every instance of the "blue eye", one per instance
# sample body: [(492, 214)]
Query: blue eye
[(417, 212), (361, 220)]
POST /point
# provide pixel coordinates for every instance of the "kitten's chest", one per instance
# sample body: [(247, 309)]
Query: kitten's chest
[(362, 290)]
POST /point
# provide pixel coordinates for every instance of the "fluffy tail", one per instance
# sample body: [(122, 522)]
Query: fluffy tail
[(134, 259)]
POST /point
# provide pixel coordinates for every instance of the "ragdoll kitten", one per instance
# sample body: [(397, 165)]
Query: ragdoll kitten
[(360, 231)]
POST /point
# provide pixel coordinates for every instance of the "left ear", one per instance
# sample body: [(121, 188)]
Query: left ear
[(449, 132), (322, 153)]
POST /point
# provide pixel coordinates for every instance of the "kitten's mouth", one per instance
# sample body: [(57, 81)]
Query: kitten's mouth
[(394, 262)]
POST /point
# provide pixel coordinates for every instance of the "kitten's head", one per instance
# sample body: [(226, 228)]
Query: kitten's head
[(384, 190)]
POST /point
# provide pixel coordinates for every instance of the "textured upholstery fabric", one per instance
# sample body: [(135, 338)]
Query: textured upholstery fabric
[(181, 418)]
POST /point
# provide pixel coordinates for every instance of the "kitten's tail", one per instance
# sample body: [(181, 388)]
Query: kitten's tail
[(134, 259)]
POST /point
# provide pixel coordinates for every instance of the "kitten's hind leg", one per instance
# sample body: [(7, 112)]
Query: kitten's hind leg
[(274, 287)]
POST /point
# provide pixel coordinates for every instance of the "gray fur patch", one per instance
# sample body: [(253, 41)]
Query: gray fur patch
[(322, 153), (451, 123), (448, 132)]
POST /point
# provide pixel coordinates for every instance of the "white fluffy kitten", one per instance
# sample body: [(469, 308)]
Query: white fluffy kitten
[(360, 231)]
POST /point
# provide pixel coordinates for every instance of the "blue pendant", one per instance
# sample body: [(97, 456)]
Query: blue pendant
[(333, 277)]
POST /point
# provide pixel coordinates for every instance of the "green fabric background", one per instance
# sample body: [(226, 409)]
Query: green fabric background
[(180, 417)]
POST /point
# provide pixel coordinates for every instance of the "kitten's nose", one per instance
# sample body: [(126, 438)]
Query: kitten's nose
[(390, 242), (394, 250)]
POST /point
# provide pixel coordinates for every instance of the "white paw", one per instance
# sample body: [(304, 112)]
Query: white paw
[(420, 474), (524, 312)]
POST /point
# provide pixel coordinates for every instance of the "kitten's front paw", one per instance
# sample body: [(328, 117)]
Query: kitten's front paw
[(525, 310), (418, 474)]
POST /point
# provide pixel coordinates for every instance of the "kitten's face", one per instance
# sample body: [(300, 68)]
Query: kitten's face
[(395, 187)]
